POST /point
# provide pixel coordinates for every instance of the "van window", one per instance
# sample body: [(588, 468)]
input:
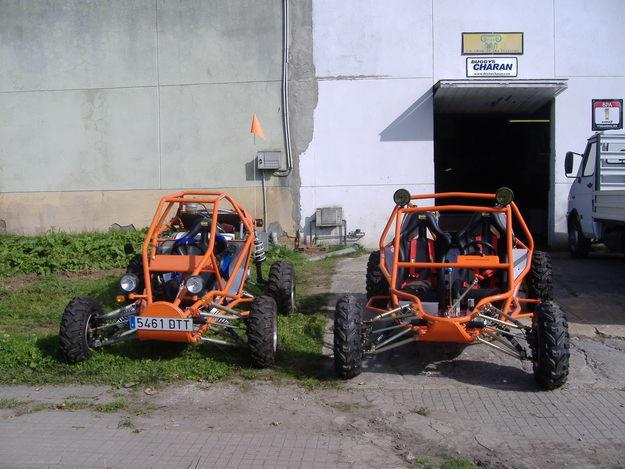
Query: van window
[(589, 165)]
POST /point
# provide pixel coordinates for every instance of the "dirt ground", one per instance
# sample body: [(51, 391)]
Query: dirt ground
[(421, 405)]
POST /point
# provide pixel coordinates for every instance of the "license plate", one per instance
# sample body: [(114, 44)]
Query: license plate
[(161, 324)]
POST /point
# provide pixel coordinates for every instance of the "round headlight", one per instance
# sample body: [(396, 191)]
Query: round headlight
[(129, 283), (401, 197), (504, 196), (194, 284)]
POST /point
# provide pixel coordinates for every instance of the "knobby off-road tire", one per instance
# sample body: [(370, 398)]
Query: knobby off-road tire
[(347, 337), (79, 316), (579, 245), (262, 331), (551, 348), (377, 285), (539, 280), (281, 286)]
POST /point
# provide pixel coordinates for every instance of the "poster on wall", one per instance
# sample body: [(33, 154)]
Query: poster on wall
[(492, 43), (607, 114), (492, 67)]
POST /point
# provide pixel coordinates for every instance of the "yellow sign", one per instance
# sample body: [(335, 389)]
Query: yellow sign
[(492, 43)]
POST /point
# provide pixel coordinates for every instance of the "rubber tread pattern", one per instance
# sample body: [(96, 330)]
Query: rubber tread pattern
[(263, 315), (348, 337), (279, 285), (551, 349), (377, 285), (72, 339)]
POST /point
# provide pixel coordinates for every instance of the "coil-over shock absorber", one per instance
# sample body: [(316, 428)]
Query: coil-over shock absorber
[(259, 258)]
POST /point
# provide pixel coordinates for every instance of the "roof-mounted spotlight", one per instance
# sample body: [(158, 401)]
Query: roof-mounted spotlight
[(504, 196), (401, 197)]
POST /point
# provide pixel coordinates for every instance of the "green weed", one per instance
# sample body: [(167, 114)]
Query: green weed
[(113, 406), (65, 252), (10, 403)]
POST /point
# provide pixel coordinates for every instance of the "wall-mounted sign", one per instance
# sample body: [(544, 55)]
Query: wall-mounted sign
[(492, 43), (492, 66), (607, 114)]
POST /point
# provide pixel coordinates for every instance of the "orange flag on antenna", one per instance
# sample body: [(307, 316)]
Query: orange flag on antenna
[(256, 128)]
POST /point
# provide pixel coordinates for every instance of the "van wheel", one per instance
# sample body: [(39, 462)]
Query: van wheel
[(579, 245)]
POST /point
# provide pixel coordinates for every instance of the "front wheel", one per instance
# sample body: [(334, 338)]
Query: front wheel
[(348, 337), (281, 286), (77, 331), (551, 345), (262, 331), (579, 245)]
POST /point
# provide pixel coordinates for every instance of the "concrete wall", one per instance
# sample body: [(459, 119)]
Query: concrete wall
[(110, 97)]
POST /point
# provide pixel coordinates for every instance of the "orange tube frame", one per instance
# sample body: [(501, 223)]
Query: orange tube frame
[(207, 262), (509, 297)]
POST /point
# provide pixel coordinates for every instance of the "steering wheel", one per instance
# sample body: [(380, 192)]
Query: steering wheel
[(476, 242)]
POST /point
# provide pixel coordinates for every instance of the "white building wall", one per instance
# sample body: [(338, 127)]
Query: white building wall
[(373, 125), (377, 61), (590, 52), (534, 18)]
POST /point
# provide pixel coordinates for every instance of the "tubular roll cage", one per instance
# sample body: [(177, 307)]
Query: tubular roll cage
[(512, 303), (194, 265)]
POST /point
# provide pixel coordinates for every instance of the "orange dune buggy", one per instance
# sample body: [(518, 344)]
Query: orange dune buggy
[(455, 273), (187, 285)]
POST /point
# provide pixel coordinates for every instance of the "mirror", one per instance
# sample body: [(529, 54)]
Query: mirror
[(568, 163)]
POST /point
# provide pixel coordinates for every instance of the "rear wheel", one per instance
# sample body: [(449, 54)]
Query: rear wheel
[(262, 331), (377, 285), (551, 345), (539, 280), (579, 245), (77, 331), (348, 337), (281, 286)]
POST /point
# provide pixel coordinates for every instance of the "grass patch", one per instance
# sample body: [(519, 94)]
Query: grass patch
[(113, 406), (10, 403), (30, 317), (126, 422), (423, 411), (454, 463), (75, 404)]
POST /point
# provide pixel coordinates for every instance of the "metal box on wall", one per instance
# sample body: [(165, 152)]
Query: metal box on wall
[(268, 160), (329, 216)]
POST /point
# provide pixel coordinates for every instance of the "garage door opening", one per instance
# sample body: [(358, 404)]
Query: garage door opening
[(486, 138)]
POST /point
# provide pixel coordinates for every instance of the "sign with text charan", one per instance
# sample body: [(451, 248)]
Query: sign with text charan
[(492, 43), (607, 114), (492, 67)]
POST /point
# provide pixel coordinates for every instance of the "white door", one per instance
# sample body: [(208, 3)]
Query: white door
[(584, 186)]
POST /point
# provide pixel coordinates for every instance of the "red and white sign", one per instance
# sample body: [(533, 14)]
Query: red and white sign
[(607, 114)]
